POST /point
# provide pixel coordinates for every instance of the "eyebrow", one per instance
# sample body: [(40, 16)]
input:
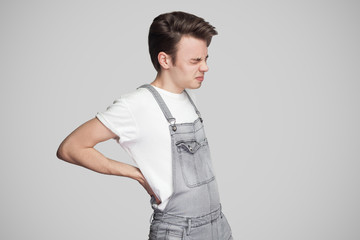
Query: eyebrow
[(199, 58)]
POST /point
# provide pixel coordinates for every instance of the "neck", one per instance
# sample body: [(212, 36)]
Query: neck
[(164, 81)]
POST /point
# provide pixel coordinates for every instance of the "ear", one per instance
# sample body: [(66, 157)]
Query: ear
[(164, 60)]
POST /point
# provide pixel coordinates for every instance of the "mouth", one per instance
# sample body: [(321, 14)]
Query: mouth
[(200, 78)]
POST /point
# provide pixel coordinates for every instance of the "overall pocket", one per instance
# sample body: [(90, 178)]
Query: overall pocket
[(174, 235), (195, 162), (224, 229), (164, 231)]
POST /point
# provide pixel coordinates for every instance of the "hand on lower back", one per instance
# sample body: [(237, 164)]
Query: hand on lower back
[(141, 179)]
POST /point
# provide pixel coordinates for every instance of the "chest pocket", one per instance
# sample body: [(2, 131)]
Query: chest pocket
[(195, 162)]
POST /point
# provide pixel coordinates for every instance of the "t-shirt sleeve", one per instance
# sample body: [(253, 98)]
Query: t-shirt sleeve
[(119, 119)]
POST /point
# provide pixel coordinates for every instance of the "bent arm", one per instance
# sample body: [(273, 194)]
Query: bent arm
[(78, 148)]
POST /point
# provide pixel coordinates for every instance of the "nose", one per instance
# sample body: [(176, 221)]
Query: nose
[(204, 67)]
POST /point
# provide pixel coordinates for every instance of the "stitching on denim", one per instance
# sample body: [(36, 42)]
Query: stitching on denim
[(178, 125), (186, 180)]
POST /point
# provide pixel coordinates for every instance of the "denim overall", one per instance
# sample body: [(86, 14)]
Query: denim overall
[(194, 210)]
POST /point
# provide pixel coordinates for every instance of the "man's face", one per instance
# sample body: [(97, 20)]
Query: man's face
[(190, 64)]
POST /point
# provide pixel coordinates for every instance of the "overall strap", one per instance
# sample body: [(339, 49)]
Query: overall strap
[(164, 107), (192, 103), (161, 103)]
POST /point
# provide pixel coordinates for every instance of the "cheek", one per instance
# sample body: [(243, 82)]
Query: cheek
[(191, 70), (188, 70)]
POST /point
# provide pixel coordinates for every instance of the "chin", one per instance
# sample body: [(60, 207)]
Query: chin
[(195, 86)]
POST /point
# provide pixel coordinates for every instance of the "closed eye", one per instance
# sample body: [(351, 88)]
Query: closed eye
[(199, 59)]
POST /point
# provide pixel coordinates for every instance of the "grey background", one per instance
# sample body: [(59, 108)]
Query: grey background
[(280, 102)]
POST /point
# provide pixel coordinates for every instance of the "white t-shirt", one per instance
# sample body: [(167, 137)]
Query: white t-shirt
[(143, 132)]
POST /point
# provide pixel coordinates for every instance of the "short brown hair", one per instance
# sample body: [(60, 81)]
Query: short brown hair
[(167, 29)]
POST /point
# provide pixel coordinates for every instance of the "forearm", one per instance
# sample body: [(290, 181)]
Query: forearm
[(92, 159)]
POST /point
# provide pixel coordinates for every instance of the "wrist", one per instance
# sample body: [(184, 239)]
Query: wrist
[(123, 170), (135, 174)]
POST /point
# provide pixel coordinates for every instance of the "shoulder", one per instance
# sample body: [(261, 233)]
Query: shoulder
[(136, 98), (123, 106), (121, 116), (135, 95)]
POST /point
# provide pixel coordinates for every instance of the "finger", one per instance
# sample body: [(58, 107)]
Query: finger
[(149, 190), (157, 199)]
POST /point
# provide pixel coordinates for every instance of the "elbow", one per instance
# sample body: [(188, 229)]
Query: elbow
[(59, 154), (62, 152), (66, 152)]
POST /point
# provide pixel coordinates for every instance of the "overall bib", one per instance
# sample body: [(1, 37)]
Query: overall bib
[(194, 210)]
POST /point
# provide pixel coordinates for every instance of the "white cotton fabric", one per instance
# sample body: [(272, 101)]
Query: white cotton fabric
[(143, 132)]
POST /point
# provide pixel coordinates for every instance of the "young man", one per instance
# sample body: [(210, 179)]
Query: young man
[(162, 130)]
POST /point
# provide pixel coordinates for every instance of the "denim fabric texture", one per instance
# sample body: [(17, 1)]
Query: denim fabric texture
[(194, 209)]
